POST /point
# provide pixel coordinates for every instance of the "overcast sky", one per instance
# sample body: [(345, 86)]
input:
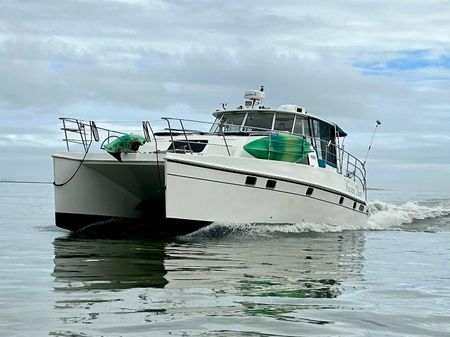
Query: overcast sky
[(352, 62)]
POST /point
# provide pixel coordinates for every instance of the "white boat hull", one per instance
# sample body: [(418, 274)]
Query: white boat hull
[(189, 191), (208, 188), (104, 189)]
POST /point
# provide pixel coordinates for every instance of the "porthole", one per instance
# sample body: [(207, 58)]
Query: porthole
[(341, 200), (271, 183), (309, 191), (250, 180), (354, 205), (361, 208)]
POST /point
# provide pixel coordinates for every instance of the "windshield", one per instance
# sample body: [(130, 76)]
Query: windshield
[(257, 121), (231, 122), (301, 127), (284, 122)]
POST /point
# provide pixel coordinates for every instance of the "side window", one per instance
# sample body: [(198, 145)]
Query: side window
[(258, 121), (232, 122), (284, 122), (325, 144), (326, 132)]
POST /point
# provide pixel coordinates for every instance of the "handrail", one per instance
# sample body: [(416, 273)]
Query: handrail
[(183, 129), (185, 136), (225, 141), (86, 132)]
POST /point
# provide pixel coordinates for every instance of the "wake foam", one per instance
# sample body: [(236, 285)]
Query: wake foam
[(389, 216), (218, 229), (382, 216)]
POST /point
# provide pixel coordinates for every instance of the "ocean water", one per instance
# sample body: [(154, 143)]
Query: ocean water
[(390, 278)]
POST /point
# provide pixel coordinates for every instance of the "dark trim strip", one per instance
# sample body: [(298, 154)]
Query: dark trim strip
[(102, 225), (266, 189), (339, 194)]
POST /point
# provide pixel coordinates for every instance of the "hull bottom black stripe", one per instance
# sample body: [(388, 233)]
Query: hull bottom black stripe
[(100, 225)]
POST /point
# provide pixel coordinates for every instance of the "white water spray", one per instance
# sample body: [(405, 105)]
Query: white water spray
[(382, 216)]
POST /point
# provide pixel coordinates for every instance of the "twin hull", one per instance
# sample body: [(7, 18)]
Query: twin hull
[(180, 193)]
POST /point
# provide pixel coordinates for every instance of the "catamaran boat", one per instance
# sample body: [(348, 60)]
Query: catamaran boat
[(252, 164)]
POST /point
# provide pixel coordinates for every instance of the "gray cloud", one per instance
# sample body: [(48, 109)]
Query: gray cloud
[(139, 59)]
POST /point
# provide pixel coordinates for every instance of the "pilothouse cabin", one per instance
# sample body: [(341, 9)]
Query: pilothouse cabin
[(325, 137)]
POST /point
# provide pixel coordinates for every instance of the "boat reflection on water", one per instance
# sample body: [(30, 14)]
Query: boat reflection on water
[(118, 286), (302, 265), (287, 265), (88, 264)]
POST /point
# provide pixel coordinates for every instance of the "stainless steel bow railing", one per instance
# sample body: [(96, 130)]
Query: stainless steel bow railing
[(83, 133)]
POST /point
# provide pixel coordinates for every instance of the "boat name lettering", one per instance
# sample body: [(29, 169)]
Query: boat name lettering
[(353, 190)]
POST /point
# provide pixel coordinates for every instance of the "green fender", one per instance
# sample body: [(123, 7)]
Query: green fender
[(124, 144)]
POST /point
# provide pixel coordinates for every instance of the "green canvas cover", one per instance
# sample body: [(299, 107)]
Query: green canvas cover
[(125, 143), (280, 146)]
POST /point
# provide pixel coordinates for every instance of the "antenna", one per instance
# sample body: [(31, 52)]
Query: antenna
[(373, 136)]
